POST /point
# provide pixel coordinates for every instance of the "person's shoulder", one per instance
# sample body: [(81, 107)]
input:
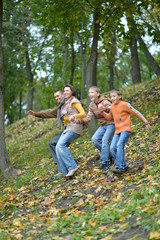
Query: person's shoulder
[(104, 98), (75, 100), (92, 105), (124, 103)]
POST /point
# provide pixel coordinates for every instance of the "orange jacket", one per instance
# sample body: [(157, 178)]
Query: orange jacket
[(121, 112)]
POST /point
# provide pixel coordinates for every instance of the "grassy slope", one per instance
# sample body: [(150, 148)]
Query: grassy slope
[(90, 205)]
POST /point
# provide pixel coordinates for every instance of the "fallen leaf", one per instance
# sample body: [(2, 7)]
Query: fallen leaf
[(92, 223), (46, 202), (19, 172), (154, 235), (109, 237)]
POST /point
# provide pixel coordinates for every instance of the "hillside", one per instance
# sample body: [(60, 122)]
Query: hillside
[(89, 205)]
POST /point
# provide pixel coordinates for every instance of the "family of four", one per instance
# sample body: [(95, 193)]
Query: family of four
[(115, 127)]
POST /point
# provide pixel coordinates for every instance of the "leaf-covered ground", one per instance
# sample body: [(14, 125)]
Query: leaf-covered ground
[(89, 205)]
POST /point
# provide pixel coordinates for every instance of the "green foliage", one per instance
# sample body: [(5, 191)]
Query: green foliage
[(46, 28)]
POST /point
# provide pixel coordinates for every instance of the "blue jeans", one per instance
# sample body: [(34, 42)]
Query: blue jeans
[(52, 146), (64, 157), (101, 140), (117, 148)]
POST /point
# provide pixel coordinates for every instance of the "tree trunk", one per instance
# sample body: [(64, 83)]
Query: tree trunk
[(82, 51), (135, 71), (65, 61), (92, 62), (30, 80), (92, 65), (151, 60), (111, 75), (72, 60), (7, 169), (112, 59), (20, 104)]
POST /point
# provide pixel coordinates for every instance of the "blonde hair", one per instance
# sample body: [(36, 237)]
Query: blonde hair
[(96, 89)]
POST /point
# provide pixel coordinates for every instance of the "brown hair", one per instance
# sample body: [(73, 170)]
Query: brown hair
[(117, 92), (72, 89), (61, 92)]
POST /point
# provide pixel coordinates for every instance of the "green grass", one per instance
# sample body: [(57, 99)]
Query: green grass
[(90, 205)]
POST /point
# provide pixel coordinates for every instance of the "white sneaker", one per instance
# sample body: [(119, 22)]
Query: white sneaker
[(71, 172), (59, 174)]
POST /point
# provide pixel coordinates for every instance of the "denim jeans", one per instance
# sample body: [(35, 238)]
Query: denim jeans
[(117, 148), (101, 140), (52, 146), (64, 157)]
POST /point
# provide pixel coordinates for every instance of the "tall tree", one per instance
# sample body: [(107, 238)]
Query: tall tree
[(82, 52), (135, 68), (5, 165), (148, 55), (112, 60), (91, 76), (72, 57), (135, 28)]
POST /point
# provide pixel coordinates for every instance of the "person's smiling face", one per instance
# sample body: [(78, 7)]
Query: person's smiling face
[(115, 97), (67, 92), (93, 95), (58, 96)]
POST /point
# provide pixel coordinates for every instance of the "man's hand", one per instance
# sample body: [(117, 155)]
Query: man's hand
[(148, 126), (30, 112)]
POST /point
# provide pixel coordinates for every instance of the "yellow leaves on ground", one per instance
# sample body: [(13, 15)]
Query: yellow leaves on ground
[(8, 189), (80, 203), (92, 222), (99, 206), (154, 235), (103, 228), (109, 237), (117, 198), (19, 172), (18, 223)]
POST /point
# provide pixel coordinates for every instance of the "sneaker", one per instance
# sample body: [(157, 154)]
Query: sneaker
[(71, 172), (59, 174), (105, 167), (111, 161), (119, 170)]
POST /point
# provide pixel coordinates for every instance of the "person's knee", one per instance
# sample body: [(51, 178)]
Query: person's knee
[(59, 147), (120, 144), (106, 141), (94, 140), (50, 144), (112, 148)]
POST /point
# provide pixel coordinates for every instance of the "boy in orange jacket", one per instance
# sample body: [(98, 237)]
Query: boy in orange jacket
[(120, 112)]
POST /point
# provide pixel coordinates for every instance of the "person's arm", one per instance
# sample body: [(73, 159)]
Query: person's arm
[(107, 116), (80, 109), (85, 119), (137, 114), (43, 114)]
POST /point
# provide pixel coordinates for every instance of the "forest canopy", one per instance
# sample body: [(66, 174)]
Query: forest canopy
[(47, 44)]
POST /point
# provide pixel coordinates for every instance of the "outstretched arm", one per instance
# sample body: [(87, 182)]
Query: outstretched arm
[(137, 114), (44, 114)]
